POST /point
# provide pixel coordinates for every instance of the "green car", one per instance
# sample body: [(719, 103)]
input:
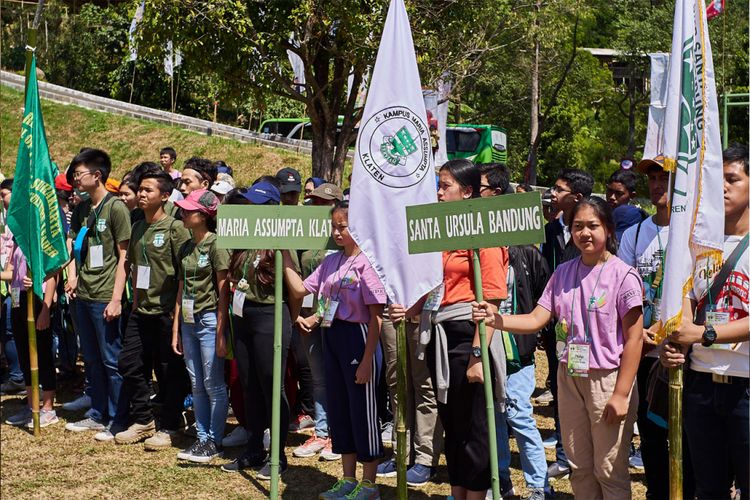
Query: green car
[(478, 143)]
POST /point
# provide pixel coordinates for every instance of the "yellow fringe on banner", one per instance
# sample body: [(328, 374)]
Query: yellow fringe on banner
[(670, 164)]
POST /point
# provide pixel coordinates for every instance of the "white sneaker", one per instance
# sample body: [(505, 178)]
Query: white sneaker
[(104, 436), (83, 402), (46, 417), (238, 437), (550, 443)]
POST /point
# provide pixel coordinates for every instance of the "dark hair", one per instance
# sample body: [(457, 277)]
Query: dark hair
[(736, 152), (604, 213), (497, 174), (130, 183), (580, 182), (140, 170), (7, 184), (163, 180), (235, 197), (204, 167), (625, 177), (94, 160), (271, 179), (526, 187), (221, 165), (466, 174), (168, 151), (340, 205), (61, 193)]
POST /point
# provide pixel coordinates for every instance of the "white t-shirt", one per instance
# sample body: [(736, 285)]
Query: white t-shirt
[(646, 256), (725, 359)]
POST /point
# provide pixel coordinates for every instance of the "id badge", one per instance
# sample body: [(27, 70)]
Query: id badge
[(715, 318), (307, 302), (96, 257), (238, 303), (187, 311), (434, 299), (578, 360), (15, 296), (330, 313), (143, 278)]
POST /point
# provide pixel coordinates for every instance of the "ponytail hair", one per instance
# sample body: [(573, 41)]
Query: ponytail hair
[(604, 212)]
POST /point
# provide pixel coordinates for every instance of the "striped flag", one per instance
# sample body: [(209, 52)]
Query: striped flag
[(692, 151)]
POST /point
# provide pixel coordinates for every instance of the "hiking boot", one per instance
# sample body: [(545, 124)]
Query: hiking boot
[(419, 475), (87, 424), (301, 423), (13, 387), (364, 491), (387, 468), (135, 433), (340, 489), (327, 454), (21, 418), (245, 461), (82, 402), (265, 472), (205, 452), (46, 417), (238, 437), (188, 452), (159, 441), (311, 447)]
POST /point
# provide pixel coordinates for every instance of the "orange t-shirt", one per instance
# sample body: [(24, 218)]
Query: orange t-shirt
[(458, 275)]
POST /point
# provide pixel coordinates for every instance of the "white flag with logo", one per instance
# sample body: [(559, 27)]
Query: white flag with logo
[(133, 27), (658, 104), (692, 151), (393, 166)]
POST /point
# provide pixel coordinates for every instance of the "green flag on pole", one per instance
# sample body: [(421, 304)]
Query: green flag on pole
[(34, 214)]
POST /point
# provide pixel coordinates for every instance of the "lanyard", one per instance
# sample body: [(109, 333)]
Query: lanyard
[(586, 316), (191, 285), (341, 281), (96, 219)]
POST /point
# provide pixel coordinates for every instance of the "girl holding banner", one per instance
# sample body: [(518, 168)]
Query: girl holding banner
[(351, 299), (596, 300)]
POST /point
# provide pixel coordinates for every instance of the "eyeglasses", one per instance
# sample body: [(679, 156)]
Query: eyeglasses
[(558, 189), (79, 174)]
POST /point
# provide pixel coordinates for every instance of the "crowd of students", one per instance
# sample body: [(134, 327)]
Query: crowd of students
[(149, 295)]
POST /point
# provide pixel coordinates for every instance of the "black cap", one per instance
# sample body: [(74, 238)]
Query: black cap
[(290, 180)]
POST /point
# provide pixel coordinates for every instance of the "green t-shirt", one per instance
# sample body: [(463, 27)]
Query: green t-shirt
[(198, 267), (255, 291), (157, 246), (112, 226)]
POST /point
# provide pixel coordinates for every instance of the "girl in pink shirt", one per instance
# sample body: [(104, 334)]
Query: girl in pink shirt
[(596, 300)]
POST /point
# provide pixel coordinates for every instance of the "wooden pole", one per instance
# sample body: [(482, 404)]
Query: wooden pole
[(488, 395), (401, 406), (132, 83)]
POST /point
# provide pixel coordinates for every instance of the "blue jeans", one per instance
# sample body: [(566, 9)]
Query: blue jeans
[(9, 345), (101, 343), (519, 415), (206, 370), (313, 344)]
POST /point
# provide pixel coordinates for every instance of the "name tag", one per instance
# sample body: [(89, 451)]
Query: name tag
[(143, 278), (96, 257), (307, 302), (238, 303), (434, 299), (578, 360), (187, 311), (15, 297), (330, 313)]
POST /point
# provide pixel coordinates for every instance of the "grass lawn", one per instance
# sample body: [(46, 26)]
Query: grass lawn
[(130, 141), (64, 464)]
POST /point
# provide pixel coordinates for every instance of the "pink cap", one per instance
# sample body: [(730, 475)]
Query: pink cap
[(200, 200)]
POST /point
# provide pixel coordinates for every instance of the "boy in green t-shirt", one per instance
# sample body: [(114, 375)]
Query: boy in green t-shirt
[(147, 341)]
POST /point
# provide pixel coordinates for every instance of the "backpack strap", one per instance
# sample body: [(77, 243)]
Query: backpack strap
[(637, 232)]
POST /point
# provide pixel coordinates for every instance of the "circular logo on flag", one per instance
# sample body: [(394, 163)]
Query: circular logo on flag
[(394, 147)]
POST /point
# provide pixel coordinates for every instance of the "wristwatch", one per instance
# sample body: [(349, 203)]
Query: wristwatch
[(709, 336), (476, 351)]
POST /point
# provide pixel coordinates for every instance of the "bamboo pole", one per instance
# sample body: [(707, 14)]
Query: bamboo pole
[(276, 401), (401, 445), (488, 395)]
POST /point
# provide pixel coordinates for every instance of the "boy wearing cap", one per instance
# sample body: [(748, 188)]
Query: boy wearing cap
[(100, 228), (291, 186), (147, 342)]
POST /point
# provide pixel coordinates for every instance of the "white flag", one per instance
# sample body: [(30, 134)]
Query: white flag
[(172, 59), (393, 167), (133, 27), (692, 151), (657, 106), (298, 66)]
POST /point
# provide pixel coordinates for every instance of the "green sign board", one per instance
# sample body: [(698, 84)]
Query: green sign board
[(514, 219), (274, 227)]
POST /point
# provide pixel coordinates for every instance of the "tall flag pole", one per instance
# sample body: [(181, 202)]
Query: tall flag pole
[(393, 169), (692, 151), (34, 216)]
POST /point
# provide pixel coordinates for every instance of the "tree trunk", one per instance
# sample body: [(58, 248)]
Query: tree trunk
[(530, 176), (631, 115)]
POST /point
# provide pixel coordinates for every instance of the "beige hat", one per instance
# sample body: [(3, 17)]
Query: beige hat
[(328, 191), (647, 163)]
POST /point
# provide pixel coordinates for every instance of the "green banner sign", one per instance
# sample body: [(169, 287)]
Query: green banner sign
[(274, 227), (514, 219)]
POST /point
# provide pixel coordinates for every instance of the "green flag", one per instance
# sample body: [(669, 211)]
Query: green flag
[(34, 214)]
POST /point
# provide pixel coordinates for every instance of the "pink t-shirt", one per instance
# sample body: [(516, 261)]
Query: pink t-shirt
[(568, 294), (350, 280), (20, 270)]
